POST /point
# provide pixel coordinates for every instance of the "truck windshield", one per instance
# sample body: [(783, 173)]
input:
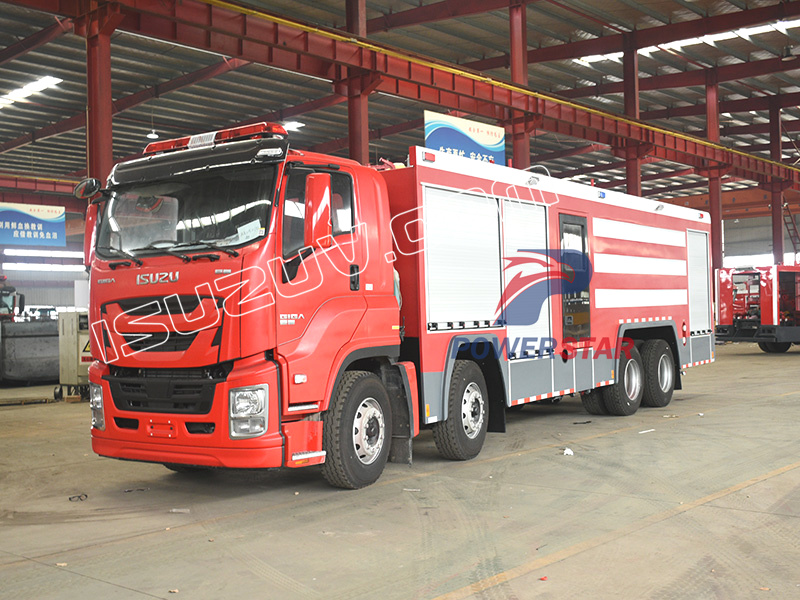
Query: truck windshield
[(225, 207)]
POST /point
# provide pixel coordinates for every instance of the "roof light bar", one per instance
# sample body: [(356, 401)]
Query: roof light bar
[(211, 138)]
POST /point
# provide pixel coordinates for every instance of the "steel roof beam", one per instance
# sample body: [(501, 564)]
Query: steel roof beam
[(375, 134), (26, 183), (756, 128), (680, 187), (438, 11), (651, 36), (36, 40), (79, 120), (599, 168), (649, 177), (687, 78), (727, 106), (300, 109), (540, 158), (265, 38)]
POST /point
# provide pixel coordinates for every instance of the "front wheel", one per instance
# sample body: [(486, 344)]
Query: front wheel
[(461, 436), (357, 431), (593, 402), (624, 396), (186, 469)]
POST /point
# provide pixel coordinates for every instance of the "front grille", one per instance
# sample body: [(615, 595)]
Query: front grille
[(178, 391), (159, 342), (172, 305)]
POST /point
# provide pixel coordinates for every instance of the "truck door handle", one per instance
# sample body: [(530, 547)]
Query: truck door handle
[(354, 282)]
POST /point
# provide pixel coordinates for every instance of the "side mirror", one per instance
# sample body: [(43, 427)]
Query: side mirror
[(87, 188), (318, 232), (21, 303), (89, 234)]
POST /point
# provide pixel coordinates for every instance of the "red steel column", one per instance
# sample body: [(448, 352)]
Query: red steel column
[(521, 139), (776, 154), (630, 70), (714, 178), (99, 137), (97, 28), (357, 108)]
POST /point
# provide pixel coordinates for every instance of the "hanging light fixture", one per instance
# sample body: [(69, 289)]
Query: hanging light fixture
[(152, 135)]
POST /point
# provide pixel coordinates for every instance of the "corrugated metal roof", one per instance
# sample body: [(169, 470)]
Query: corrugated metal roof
[(254, 90)]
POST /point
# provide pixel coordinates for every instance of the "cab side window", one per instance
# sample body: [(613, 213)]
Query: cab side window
[(294, 206), (341, 203)]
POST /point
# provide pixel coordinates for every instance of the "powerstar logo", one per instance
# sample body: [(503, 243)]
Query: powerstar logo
[(145, 278), (532, 276)]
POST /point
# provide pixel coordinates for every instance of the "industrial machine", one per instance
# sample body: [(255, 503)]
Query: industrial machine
[(74, 356), (28, 350)]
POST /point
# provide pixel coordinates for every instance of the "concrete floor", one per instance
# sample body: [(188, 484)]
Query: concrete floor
[(704, 506)]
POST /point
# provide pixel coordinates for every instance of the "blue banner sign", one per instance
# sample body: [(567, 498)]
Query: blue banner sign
[(466, 138), (32, 225)]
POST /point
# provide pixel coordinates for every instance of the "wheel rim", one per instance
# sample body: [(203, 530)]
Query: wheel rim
[(633, 379), (665, 373), (472, 410), (369, 430)]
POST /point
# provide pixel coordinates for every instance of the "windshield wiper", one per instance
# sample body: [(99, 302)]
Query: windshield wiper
[(155, 246), (227, 251), (127, 255)]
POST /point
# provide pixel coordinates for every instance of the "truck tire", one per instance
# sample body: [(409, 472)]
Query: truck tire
[(774, 347), (593, 402), (356, 431), (623, 397), (186, 469), (461, 436), (659, 373)]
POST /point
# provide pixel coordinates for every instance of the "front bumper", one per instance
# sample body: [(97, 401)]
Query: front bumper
[(204, 439)]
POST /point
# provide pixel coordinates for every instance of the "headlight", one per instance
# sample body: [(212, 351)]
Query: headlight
[(96, 405), (248, 411)]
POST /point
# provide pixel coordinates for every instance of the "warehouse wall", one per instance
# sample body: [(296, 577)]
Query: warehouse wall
[(46, 288), (752, 237), (749, 236)]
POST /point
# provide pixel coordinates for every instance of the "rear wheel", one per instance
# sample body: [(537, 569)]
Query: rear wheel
[(357, 431), (593, 402), (461, 436), (624, 396), (774, 347), (659, 373)]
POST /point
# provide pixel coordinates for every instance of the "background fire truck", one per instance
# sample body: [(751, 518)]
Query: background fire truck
[(759, 304), (255, 306)]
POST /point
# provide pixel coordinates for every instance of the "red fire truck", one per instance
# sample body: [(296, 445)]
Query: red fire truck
[(759, 304), (256, 306)]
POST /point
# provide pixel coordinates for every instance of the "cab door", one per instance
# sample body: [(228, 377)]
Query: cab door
[(319, 303)]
